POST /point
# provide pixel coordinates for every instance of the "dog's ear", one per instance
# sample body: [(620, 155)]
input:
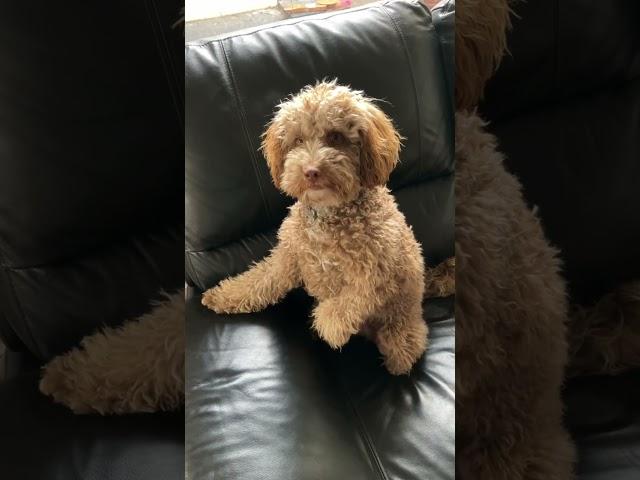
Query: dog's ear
[(380, 146), (273, 150), (480, 43)]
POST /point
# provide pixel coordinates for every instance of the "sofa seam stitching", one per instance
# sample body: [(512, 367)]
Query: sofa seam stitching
[(556, 47), (245, 130), (364, 434), (450, 88), (97, 251), (168, 66), (193, 271), (411, 73), (21, 312), (226, 244)]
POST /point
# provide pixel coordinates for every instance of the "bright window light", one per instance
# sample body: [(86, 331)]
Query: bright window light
[(202, 9)]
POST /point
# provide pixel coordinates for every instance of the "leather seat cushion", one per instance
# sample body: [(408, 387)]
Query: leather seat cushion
[(603, 415), (265, 399), (44, 441)]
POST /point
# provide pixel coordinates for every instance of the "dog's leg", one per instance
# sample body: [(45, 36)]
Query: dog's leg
[(138, 367), (337, 318), (440, 281), (493, 462), (257, 288), (553, 456), (402, 339), (543, 452)]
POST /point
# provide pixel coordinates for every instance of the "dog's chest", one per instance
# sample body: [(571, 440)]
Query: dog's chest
[(331, 254)]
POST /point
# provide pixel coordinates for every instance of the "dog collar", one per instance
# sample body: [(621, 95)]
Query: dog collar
[(313, 213)]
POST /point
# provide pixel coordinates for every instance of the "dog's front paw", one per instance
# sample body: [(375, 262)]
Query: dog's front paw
[(214, 300), (60, 380), (223, 299), (335, 337), (398, 365), (330, 327)]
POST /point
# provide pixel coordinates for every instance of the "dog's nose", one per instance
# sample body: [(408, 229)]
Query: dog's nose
[(311, 173)]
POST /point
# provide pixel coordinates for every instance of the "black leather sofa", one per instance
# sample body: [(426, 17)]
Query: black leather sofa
[(565, 106), (91, 219), (265, 399)]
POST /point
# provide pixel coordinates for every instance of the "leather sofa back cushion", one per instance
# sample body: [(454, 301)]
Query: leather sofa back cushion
[(233, 83), (88, 132), (562, 50), (91, 161), (566, 109)]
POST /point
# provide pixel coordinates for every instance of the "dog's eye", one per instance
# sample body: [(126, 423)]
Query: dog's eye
[(335, 138), (298, 141)]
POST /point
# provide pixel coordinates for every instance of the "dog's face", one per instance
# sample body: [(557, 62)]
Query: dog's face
[(327, 143)]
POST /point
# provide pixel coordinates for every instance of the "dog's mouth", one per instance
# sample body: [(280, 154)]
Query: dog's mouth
[(317, 190), (319, 194), (317, 184)]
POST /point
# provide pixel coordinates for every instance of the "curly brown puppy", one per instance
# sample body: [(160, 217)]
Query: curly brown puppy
[(344, 239), (511, 307)]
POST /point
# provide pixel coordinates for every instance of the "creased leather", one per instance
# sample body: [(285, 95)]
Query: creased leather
[(42, 440), (267, 400)]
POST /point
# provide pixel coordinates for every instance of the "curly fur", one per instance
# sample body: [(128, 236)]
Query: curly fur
[(138, 367), (510, 324), (344, 239), (480, 44), (511, 305)]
